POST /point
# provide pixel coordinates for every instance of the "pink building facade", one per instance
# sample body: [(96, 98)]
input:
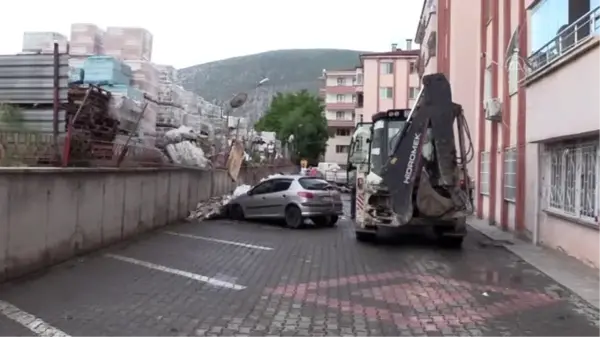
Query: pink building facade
[(389, 81), (447, 34), (532, 68), (559, 76), (339, 94)]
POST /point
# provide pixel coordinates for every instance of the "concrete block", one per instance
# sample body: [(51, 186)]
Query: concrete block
[(133, 205), (113, 206), (161, 199), (172, 214)]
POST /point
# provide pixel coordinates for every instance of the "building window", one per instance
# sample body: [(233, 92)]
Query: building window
[(342, 148), (385, 92), (354, 98), (413, 67), (559, 25), (431, 45), (484, 174), (510, 174), (359, 79), (572, 186), (387, 68), (413, 92), (340, 115), (547, 18), (340, 98), (341, 81), (342, 132), (513, 62)]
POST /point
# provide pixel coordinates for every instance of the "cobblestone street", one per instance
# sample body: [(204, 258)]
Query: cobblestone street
[(232, 278)]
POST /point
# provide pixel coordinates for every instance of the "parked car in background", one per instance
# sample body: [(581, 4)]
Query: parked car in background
[(293, 198), (334, 173)]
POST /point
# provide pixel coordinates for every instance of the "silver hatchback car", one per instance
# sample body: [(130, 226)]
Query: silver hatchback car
[(293, 198)]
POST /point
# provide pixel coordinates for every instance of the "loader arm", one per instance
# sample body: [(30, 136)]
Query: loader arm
[(434, 174)]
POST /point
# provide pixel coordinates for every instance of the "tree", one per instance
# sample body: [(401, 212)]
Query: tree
[(11, 116), (299, 114)]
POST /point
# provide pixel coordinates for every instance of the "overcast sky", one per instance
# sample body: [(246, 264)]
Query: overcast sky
[(193, 31)]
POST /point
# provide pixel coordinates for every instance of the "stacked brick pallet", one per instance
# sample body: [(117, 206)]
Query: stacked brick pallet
[(132, 47)]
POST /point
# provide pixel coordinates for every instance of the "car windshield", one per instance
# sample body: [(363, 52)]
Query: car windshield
[(314, 184), (382, 146)]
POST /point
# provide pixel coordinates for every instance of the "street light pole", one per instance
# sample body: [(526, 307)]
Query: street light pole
[(232, 106)]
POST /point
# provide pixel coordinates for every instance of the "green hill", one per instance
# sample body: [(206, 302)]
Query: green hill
[(287, 70)]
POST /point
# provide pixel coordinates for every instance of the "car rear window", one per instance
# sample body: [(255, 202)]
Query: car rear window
[(314, 184)]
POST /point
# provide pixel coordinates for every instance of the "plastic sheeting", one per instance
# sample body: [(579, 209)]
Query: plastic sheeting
[(240, 190), (186, 153)]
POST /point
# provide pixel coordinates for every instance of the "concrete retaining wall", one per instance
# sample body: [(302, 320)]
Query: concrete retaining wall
[(50, 215)]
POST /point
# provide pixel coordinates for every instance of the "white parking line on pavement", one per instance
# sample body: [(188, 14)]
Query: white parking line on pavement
[(241, 244), (29, 321), (197, 277)]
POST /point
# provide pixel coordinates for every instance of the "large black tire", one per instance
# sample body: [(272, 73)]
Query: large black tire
[(452, 242), (365, 236), (236, 212), (293, 217)]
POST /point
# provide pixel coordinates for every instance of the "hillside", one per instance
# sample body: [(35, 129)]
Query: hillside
[(287, 70)]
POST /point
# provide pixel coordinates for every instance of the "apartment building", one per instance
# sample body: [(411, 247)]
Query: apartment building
[(535, 115), (388, 80), (447, 34), (339, 94), (561, 120)]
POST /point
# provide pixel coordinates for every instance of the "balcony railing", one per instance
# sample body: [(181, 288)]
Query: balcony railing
[(340, 105), (570, 37), (340, 123)]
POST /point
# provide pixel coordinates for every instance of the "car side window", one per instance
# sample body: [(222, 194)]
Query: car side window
[(263, 188), (281, 185)]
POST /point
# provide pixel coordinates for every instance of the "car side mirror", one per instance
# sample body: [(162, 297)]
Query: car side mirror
[(249, 192)]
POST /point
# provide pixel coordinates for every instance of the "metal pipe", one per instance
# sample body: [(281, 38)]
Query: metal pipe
[(125, 147), (538, 193), (67, 149), (417, 99), (55, 100)]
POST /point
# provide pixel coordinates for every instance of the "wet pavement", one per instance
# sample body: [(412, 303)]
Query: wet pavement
[(223, 278)]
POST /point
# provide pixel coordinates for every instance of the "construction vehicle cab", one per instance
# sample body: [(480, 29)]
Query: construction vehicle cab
[(413, 173)]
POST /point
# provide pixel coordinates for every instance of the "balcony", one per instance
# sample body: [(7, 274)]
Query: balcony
[(340, 123), (340, 89), (566, 43), (341, 106)]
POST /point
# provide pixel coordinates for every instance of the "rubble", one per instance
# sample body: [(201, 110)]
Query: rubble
[(210, 209)]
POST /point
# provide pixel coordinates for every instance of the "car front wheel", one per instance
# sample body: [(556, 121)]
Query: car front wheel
[(236, 212)]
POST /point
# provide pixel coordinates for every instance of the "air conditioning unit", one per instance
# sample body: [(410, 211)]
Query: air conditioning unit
[(493, 110)]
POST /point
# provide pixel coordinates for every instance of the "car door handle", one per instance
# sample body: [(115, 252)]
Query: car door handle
[(285, 196)]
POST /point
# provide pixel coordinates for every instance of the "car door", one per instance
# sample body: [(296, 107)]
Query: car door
[(279, 196), (256, 205)]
